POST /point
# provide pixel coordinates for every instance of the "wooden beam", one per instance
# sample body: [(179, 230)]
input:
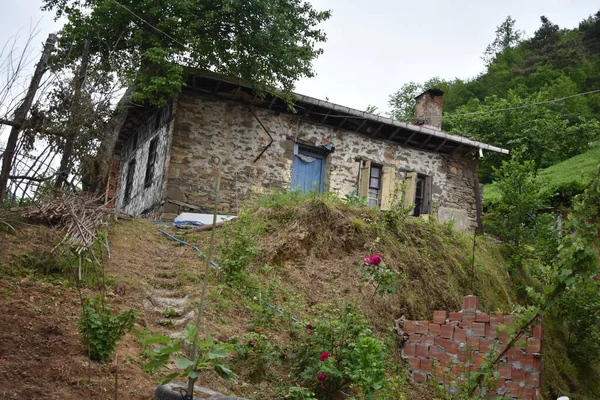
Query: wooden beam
[(441, 144), (410, 137), (272, 101), (393, 135), (217, 87), (237, 91), (361, 125), (325, 117), (426, 141), (342, 123), (377, 131)]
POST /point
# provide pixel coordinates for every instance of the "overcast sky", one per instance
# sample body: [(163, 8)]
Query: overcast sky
[(375, 46)]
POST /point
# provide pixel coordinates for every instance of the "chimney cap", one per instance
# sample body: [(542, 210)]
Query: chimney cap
[(433, 92)]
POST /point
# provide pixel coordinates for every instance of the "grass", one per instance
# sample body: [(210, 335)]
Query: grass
[(575, 169)]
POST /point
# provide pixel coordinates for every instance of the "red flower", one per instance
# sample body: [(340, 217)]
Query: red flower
[(311, 345), (324, 356), (259, 330), (374, 259), (321, 377), (252, 343), (310, 332), (309, 326)]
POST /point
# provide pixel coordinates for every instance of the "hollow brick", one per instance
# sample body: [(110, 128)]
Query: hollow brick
[(505, 371), (422, 350), (473, 343), (469, 315), (410, 327), (439, 317), (460, 335), (534, 345), (414, 338), (415, 363), (518, 375), (470, 303), (479, 329), (482, 317), (426, 365), (409, 350), (447, 332), (533, 379), (455, 316), (496, 318), (422, 327), (435, 329)]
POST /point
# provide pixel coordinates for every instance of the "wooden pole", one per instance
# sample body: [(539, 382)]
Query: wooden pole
[(21, 113), (190, 388), (65, 162)]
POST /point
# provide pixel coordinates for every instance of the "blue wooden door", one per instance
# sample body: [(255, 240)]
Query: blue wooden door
[(308, 171)]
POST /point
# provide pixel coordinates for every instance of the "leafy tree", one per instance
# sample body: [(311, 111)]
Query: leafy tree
[(403, 100), (546, 35), (147, 43), (507, 37), (513, 219)]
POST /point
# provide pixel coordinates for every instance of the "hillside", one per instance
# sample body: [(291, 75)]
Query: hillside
[(308, 252), (576, 171)]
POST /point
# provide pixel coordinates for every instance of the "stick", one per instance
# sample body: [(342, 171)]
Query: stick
[(190, 388)]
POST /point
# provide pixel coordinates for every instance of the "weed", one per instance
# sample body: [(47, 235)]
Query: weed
[(237, 253), (300, 393), (9, 221), (100, 329), (170, 313)]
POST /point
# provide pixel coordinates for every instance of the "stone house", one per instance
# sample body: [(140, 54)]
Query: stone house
[(167, 158)]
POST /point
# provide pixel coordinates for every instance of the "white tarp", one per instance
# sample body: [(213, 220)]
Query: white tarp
[(196, 219)]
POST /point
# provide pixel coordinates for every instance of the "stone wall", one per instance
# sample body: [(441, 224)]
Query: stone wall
[(145, 198), (454, 344), (208, 126)]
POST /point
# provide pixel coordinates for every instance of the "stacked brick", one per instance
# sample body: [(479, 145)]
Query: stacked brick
[(454, 344)]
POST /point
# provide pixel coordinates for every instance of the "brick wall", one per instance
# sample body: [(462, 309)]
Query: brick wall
[(455, 343)]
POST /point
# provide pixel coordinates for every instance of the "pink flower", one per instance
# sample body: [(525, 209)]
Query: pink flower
[(324, 356), (321, 377), (259, 330), (252, 343), (310, 333), (374, 259)]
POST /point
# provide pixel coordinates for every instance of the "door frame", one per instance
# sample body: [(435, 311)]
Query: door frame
[(311, 152)]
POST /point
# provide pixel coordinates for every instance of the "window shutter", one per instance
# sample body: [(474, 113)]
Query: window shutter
[(410, 189), (427, 196), (388, 182), (363, 178)]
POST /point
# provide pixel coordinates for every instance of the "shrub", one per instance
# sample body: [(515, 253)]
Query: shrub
[(338, 351), (300, 393), (237, 253), (210, 355), (257, 351), (100, 329)]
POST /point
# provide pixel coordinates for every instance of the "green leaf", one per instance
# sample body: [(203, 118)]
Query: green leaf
[(218, 351), (169, 378), (183, 363)]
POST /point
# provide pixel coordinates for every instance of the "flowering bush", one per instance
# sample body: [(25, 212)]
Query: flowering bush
[(337, 351), (257, 351), (375, 272)]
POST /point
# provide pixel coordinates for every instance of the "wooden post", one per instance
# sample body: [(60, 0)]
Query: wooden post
[(21, 113), (65, 162)]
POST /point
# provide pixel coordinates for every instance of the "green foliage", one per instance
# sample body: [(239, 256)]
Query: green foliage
[(100, 329), (300, 393), (258, 352), (355, 200), (580, 311), (383, 279), (209, 355), (271, 43), (237, 252), (515, 218), (339, 350)]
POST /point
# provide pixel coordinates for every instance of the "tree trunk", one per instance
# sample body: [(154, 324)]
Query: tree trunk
[(109, 141), (21, 114), (66, 160)]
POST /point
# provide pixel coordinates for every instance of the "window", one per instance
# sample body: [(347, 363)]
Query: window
[(418, 193), (150, 163), (374, 186), (129, 181), (377, 184)]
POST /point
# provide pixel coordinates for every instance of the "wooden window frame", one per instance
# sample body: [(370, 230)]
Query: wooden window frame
[(152, 150), (129, 181)]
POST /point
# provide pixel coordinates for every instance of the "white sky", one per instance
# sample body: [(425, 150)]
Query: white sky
[(376, 46)]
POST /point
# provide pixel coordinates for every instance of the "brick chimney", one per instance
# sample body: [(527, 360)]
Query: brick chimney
[(428, 110)]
